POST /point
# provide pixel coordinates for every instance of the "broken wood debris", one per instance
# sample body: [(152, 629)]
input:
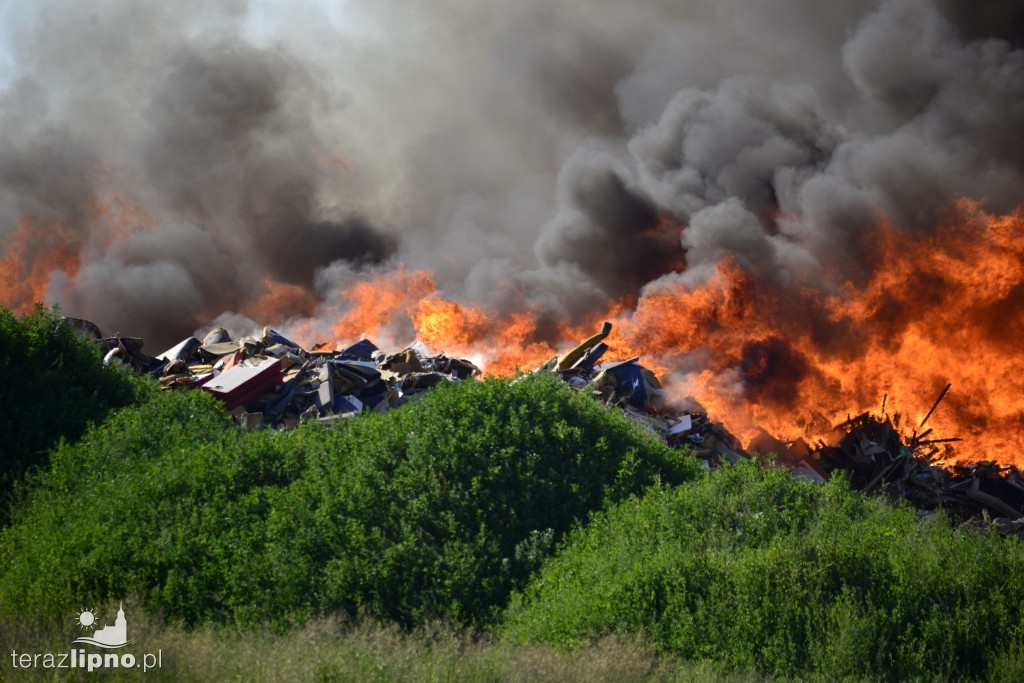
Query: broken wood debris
[(878, 460)]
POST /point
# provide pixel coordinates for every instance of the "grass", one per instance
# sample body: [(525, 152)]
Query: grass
[(333, 649)]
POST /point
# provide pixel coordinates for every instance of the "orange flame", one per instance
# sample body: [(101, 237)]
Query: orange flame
[(32, 251), (37, 248), (944, 307), (281, 302)]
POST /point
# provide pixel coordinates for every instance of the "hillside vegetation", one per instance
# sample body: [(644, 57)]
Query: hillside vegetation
[(436, 511), (761, 570), (494, 530), (52, 386)]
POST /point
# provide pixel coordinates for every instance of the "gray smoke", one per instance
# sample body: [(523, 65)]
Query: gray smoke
[(555, 154)]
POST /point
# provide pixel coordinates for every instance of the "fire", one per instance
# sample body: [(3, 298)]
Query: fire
[(945, 307), (377, 302), (941, 307), (32, 251), (281, 302), (930, 308), (37, 248)]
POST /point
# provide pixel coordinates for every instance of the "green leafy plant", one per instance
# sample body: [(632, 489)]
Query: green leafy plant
[(54, 384), (760, 570), (437, 510)]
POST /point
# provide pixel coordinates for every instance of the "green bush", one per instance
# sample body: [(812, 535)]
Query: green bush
[(762, 570), (54, 384), (437, 510)]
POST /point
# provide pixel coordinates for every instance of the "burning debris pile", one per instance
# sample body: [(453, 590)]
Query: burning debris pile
[(872, 450), (271, 381), (878, 458), (639, 393)]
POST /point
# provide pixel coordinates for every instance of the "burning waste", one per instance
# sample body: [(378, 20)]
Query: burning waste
[(786, 211), (270, 381)]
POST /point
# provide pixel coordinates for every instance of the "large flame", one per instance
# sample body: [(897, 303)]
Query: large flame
[(942, 307), (37, 249), (31, 253), (934, 307)]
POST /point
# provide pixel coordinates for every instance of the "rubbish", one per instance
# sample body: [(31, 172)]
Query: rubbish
[(634, 388), (807, 472), (251, 421), (405, 362), (348, 404), (243, 384), (270, 337), (681, 426), (217, 335), (879, 459), (566, 361), (271, 381), (181, 351), (361, 350)]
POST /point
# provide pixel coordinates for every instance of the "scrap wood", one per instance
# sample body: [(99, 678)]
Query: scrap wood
[(878, 459)]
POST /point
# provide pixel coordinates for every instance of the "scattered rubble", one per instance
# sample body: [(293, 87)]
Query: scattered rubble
[(638, 392), (270, 381), (273, 382)]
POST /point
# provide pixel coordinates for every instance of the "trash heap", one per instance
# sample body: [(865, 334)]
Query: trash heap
[(636, 390), (870, 449), (272, 381), (879, 460)]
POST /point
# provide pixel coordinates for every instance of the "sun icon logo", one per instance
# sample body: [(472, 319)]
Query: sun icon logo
[(86, 618)]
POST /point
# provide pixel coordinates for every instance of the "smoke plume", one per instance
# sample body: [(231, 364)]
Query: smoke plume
[(163, 166)]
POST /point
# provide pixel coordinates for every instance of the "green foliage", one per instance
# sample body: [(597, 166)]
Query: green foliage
[(54, 384), (761, 570), (437, 510)]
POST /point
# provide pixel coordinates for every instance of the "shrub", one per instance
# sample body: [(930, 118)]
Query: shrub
[(54, 385), (437, 510), (761, 570)]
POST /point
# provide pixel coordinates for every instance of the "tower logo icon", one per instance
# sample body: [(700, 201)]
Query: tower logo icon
[(110, 637)]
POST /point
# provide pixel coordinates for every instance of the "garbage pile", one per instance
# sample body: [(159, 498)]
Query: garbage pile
[(636, 390), (869, 448), (272, 381), (878, 460)]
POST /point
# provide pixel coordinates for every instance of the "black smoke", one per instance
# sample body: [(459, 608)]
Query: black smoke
[(550, 154)]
